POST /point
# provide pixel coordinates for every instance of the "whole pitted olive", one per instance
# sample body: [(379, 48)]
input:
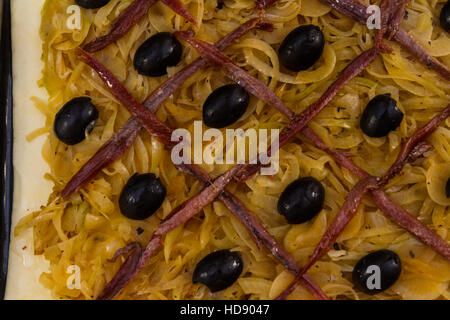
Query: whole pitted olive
[(302, 48), (160, 51), (218, 270), (142, 196), (381, 116), (445, 16), (92, 4), (302, 200), (377, 271), (225, 106), (75, 119)]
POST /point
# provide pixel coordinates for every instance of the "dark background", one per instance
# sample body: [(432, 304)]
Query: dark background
[(6, 139)]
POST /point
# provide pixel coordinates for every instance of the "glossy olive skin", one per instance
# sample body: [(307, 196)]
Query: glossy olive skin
[(302, 48), (302, 200), (158, 52), (92, 4), (445, 17), (142, 196), (218, 270), (390, 268), (447, 188), (225, 106), (76, 118), (381, 116)]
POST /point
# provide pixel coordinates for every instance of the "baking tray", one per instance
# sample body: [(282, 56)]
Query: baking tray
[(6, 134)]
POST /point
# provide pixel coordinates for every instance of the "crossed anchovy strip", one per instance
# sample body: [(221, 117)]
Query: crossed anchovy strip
[(126, 135), (129, 17)]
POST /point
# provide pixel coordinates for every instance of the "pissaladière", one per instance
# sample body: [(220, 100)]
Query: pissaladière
[(85, 221)]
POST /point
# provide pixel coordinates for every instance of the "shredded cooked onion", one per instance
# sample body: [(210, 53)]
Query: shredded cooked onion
[(87, 229)]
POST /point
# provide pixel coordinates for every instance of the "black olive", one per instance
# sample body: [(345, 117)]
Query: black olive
[(218, 270), (445, 17), (160, 51), (76, 118), (302, 200), (447, 188), (381, 116), (383, 264), (92, 4), (225, 106), (302, 48), (142, 196)]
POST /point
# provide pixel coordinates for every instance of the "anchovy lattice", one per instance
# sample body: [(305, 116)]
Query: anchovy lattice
[(144, 118)]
